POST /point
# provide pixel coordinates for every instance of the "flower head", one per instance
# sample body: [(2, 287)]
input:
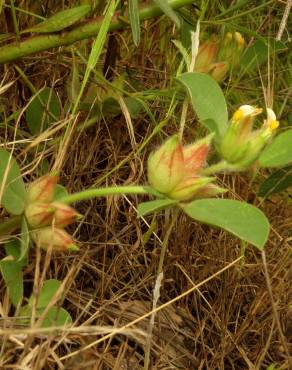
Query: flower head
[(241, 144), (219, 70), (175, 170), (42, 189), (39, 214), (271, 121), (64, 215), (216, 57), (165, 166), (54, 238), (206, 56)]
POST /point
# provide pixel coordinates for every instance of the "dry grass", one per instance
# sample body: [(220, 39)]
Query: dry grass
[(226, 319)]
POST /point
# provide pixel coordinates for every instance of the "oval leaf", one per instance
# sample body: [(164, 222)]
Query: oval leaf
[(13, 189), (56, 316), (13, 277), (207, 100), (154, 206), (13, 248), (47, 292), (60, 192), (61, 20), (241, 219), (279, 152), (43, 109)]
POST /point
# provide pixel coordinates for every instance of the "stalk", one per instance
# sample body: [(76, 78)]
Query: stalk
[(215, 168), (83, 31), (103, 192)]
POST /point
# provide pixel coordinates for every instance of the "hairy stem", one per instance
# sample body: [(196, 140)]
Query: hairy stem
[(218, 167), (102, 192), (86, 30)]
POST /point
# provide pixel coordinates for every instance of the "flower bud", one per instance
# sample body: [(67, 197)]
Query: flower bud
[(42, 189), (241, 146), (64, 215), (236, 141), (39, 214), (219, 70), (188, 188), (206, 56), (231, 50), (239, 39), (195, 155), (176, 170), (260, 138), (165, 166), (210, 190), (54, 238)]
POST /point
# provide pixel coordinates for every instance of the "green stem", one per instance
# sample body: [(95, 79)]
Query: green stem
[(6, 227), (218, 167), (103, 192), (183, 117), (86, 30), (14, 19)]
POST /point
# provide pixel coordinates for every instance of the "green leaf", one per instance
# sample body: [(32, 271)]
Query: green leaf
[(207, 100), (279, 152), (11, 270), (60, 191), (259, 53), (13, 190), (134, 20), (134, 106), (273, 367), (97, 47), (56, 316), (48, 291), (183, 52), (154, 206), (276, 182), (167, 10), (43, 109), (43, 168), (185, 34), (12, 274), (24, 242), (241, 219), (61, 20), (13, 248), (73, 83)]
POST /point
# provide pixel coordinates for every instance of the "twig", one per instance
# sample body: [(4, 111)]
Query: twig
[(284, 20), (156, 291)]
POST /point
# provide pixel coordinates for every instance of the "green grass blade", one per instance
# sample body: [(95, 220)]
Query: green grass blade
[(134, 20)]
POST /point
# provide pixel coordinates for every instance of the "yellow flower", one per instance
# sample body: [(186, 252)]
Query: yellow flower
[(242, 145)]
